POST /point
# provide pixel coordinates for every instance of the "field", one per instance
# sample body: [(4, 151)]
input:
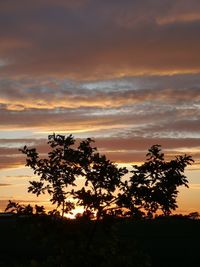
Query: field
[(43, 241)]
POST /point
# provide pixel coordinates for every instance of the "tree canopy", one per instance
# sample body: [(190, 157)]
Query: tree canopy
[(107, 189), (154, 184)]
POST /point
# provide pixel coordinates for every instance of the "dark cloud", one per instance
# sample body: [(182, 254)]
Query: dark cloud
[(119, 149), (91, 39)]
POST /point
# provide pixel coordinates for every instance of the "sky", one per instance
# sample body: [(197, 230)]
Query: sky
[(124, 72)]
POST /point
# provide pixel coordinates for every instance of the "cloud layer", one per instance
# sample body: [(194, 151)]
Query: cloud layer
[(95, 39)]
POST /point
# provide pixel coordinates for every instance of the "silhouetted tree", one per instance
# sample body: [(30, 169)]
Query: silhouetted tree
[(69, 206), (102, 179), (154, 184), (39, 210), (54, 213), (15, 207), (64, 164), (56, 172)]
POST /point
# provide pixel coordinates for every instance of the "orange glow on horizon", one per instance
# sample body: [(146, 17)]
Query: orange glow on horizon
[(72, 215)]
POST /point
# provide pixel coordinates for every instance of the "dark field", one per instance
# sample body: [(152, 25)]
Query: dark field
[(45, 242)]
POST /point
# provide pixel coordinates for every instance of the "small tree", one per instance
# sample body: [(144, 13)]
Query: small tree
[(154, 184), (56, 172)]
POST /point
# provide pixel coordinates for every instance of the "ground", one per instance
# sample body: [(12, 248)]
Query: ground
[(44, 241)]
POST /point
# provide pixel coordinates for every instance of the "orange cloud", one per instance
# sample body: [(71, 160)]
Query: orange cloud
[(191, 17)]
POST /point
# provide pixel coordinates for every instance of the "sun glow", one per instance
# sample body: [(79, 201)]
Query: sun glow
[(74, 212)]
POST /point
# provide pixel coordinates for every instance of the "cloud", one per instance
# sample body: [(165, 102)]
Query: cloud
[(7, 162), (19, 176), (88, 67), (128, 112), (2, 184), (147, 118), (139, 120), (18, 94), (119, 149), (156, 106), (185, 17), (95, 39), (181, 12)]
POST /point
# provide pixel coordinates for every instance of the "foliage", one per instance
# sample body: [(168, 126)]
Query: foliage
[(66, 163), (39, 210), (56, 172), (102, 179), (150, 187), (20, 209), (153, 185)]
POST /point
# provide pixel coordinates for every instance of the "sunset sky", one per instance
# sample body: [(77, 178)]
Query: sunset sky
[(124, 72)]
